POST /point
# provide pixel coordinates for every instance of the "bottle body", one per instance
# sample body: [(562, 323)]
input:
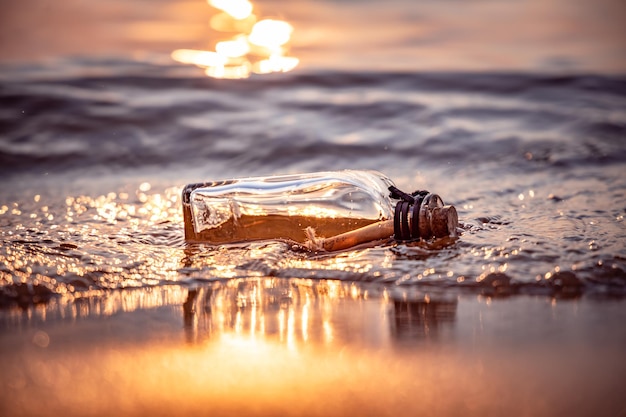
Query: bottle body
[(282, 207)]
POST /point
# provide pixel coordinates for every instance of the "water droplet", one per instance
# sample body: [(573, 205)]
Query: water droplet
[(41, 339)]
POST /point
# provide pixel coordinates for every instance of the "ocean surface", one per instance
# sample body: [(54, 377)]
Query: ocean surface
[(106, 310), (93, 168)]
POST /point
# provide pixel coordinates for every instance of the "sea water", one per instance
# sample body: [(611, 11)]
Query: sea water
[(93, 169), (105, 309)]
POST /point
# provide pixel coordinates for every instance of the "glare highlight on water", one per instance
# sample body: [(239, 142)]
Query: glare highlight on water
[(238, 9), (259, 47)]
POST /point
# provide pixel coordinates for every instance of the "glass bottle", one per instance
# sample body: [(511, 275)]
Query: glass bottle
[(323, 210)]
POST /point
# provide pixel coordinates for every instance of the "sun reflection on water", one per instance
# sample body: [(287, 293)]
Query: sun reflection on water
[(79, 246), (251, 312), (238, 9), (258, 47), (298, 312)]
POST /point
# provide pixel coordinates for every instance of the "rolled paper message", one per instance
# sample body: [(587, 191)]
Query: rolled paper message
[(439, 222)]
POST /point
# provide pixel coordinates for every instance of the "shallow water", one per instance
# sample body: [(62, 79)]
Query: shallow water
[(99, 291), (271, 346), (94, 167), (105, 309)]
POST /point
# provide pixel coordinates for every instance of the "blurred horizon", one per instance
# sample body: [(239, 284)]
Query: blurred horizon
[(580, 36)]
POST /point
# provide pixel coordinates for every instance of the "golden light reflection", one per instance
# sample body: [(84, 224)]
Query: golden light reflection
[(275, 63), (73, 260), (223, 22), (345, 262), (234, 48), (242, 341), (298, 312), (238, 9), (270, 34), (312, 211), (305, 319), (257, 47), (199, 58), (228, 72)]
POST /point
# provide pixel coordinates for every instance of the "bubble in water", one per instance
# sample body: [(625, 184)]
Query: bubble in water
[(41, 339)]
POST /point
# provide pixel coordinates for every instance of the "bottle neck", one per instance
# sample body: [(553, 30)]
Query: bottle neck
[(422, 216)]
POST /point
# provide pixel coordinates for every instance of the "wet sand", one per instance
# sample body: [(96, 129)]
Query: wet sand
[(298, 347)]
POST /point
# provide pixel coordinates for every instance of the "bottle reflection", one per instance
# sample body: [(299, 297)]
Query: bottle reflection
[(422, 318), (243, 307), (299, 312)]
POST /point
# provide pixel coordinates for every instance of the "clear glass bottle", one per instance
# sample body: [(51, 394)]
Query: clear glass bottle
[(303, 207)]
